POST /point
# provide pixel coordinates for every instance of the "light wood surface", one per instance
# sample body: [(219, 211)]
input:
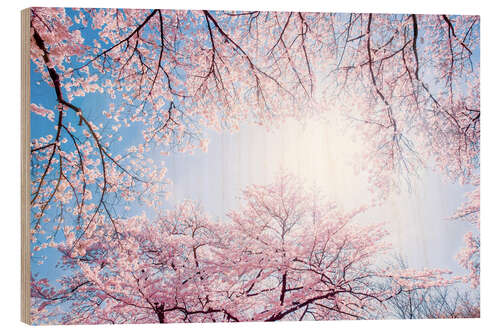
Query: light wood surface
[(25, 166)]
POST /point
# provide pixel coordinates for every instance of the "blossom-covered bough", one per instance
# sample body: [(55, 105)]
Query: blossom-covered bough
[(433, 302), (408, 84)]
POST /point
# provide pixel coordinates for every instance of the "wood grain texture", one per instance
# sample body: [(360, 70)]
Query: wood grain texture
[(25, 166)]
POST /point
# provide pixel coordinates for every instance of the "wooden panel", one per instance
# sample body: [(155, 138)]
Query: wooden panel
[(25, 166)]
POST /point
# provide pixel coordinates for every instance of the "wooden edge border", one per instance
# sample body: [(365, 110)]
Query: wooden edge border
[(25, 167)]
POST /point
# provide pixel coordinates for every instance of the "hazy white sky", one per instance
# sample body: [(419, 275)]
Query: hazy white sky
[(320, 153)]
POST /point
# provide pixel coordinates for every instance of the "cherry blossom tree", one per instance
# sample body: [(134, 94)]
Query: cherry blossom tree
[(450, 301), (166, 74), (469, 256), (408, 84), (286, 254), (308, 259), (434, 303), (164, 271), (414, 83)]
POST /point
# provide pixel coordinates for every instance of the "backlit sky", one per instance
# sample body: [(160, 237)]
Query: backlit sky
[(320, 153)]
